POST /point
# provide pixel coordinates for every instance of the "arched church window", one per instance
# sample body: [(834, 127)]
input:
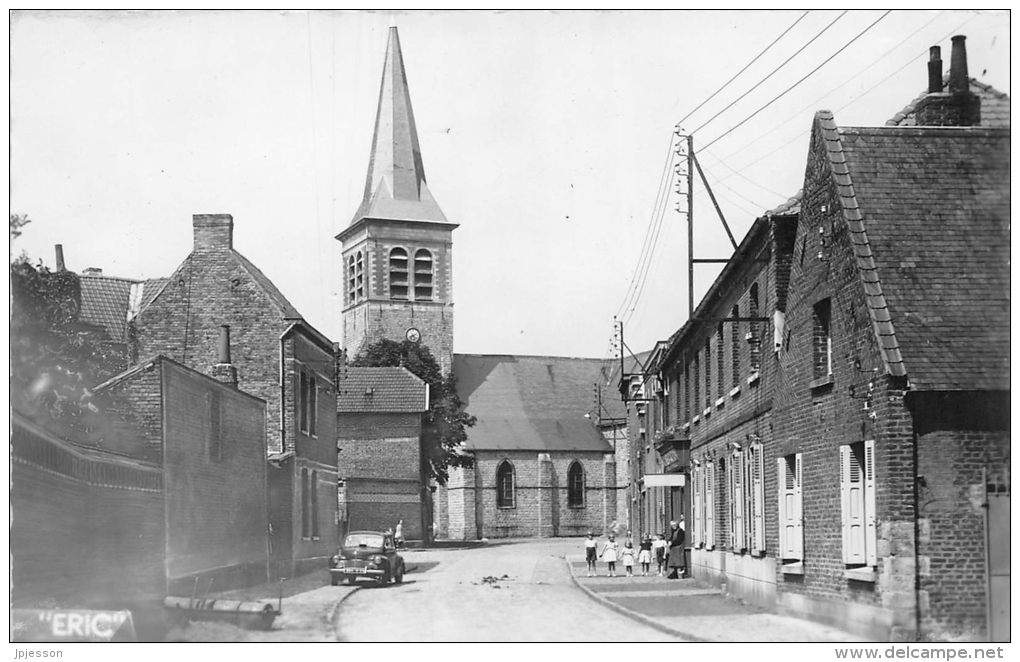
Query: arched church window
[(575, 485), (398, 274), (352, 288), (359, 273), (422, 275), (505, 487)]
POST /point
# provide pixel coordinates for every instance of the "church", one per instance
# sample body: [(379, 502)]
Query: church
[(548, 461)]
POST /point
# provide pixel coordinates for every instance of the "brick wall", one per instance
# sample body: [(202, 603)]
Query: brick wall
[(138, 402), (216, 500), (86, 526)]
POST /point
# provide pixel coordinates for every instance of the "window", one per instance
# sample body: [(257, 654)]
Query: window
[(698, 525), (215, 440), (754, 499), (791, 514), (697, 383), (305, 511), (687, 392), (398, 274), (355, 278), (735, 345), (708, 373), (857, 492), (753, 337), (721, 362), (736, 483), (422, 275), (314, 496), (710, 505), (822, 339), (704, 505), (575, 485), (308, 397), (505, 487)]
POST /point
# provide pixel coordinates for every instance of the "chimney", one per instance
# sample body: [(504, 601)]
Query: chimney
[(223, 370), (935, 70), (60, 256), (956, 107), (213, 232), (92, 271)]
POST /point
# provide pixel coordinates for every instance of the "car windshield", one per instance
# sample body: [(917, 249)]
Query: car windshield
[(364, 540)]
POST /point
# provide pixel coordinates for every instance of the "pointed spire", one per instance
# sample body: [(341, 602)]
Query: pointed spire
[(395, 187)]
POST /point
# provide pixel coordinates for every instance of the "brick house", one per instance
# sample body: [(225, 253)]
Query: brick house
[(891, 402), (542, 467), (210, 439), (379, 415), (279, 358)]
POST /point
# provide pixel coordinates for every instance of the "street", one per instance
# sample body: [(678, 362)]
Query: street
[(504, 591)]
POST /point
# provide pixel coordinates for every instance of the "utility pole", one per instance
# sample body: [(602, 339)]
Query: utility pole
[(690, 226)]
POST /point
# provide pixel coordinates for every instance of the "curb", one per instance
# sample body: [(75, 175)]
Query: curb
[(630, 613), (334, 612)]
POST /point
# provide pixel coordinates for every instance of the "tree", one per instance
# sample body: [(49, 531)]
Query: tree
[(55, 357), (444, 429)]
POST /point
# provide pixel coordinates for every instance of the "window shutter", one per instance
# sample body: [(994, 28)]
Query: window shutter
[(758, 468), (738, 503), (797, 544), (852, 481), (871, 540), (696, 515), (781, 483), (710, 506)]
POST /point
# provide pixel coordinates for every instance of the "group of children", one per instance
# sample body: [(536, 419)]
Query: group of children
[(650, 546)]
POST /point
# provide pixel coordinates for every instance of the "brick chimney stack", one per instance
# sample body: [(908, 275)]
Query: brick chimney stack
[(60, 256), (213, 232), (223, 370), (957, 107)]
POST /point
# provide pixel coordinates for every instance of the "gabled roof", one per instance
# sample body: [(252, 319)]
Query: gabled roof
[(287, 309), (994, 106), (532, 403), (381, 390), (109, 302), (928, 213), (395, 188)]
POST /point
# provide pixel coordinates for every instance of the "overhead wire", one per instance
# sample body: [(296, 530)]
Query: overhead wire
[(809, 74), (773, 72)]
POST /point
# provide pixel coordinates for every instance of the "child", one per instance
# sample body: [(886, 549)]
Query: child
[(645, 556), (628, 558), (609, 551), (589, 554), (660, 552)]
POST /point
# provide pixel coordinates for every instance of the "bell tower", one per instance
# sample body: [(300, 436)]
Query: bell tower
[(398, 248)]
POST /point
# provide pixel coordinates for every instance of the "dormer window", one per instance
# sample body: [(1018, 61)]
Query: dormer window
[(398, 274), (423, 275)]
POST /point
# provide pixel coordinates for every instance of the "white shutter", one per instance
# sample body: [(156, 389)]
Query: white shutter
[(758, 469), (797, 544), (852, 488), (871, 541), (781, 491), (710, 505), (697, 524), (739, 541)]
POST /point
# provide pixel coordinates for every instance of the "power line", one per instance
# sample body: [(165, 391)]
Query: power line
[(776, 40), (762, 81), (784, 92)]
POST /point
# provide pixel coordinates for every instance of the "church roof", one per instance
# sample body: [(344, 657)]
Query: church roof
[(532, 403), (395, 188)]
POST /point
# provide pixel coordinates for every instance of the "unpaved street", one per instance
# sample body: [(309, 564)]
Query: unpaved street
[(500, 592)]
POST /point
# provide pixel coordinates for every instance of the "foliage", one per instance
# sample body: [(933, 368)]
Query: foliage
[(55, 357), (444, 429)]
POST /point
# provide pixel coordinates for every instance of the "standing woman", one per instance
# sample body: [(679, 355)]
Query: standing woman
[(676, 550)]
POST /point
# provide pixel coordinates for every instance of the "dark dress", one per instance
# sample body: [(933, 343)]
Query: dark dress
[(676, 548)]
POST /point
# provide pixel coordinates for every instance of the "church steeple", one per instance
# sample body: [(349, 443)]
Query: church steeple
[(395, 187)]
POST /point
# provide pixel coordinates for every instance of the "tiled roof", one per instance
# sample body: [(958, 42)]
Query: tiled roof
[(994, 106), (106, 301), (534, 403), (381, 390), (928, 213)]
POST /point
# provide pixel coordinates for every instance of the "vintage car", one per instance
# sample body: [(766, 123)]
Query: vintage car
[(367, 555)]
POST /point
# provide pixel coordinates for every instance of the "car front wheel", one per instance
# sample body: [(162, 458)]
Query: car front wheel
[(399, 576)]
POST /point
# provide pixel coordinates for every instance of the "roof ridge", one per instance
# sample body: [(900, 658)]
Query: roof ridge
[(268, 287), (878, 307)]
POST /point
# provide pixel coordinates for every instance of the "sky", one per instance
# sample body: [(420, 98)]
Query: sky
[(549, 137)]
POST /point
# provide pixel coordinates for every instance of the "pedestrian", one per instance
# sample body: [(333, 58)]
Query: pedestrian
[(609, 552), (590, 553), (659, 545), (676, 550), (645, 556), (628, 558), (398, 536)]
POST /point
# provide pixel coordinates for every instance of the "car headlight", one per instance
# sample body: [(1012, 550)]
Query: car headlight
[(335, 560)]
